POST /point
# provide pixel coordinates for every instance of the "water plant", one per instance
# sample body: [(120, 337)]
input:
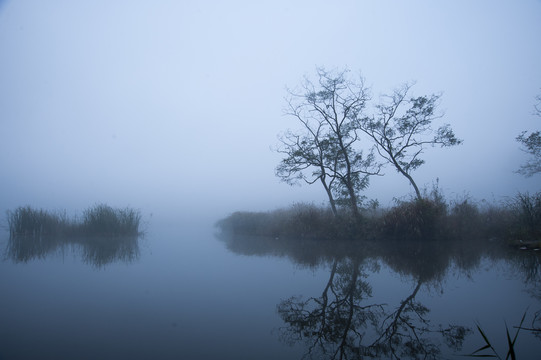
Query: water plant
[(104, 220), (98, 220), (25, 221), (488, 349)]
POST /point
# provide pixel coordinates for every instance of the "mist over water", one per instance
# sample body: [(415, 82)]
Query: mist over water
[(174, 110)]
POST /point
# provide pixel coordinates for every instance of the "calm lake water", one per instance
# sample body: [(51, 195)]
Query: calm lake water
[(182, 292)]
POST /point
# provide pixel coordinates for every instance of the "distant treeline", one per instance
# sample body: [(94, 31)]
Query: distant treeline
[(427, 218)]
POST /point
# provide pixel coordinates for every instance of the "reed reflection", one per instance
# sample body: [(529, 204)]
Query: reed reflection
[(97, 251)]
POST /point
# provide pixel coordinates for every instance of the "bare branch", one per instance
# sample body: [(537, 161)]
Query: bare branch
[(531, 145), (402, 129)]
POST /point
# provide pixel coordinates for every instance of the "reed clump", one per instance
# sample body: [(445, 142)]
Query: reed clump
[(26, 221), (104, 234), (96, 221), (105, 220)]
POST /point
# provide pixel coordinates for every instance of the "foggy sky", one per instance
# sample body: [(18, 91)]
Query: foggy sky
[(176, 105)]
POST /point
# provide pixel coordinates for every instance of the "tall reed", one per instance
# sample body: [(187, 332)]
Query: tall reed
[(104, 220), (98, 220), (25, 221)]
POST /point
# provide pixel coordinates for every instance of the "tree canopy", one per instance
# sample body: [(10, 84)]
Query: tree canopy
[(531, 145), (401, 129), (327, 147), (338, 139)]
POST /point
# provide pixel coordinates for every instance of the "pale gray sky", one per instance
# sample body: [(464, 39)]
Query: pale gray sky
[(176, 104)]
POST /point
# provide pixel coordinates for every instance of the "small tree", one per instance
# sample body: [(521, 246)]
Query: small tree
[(328, 143), (306, 159), (402, 129), (532, 145)]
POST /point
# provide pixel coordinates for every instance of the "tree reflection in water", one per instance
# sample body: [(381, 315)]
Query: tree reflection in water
[(332, 324), (344, 322), (97, 251)]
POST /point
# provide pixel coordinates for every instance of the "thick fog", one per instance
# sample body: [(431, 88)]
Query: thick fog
[(173, 107)]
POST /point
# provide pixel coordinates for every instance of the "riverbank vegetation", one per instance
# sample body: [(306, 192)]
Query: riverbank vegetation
[(345, 138), (431, 218), (343, 318)]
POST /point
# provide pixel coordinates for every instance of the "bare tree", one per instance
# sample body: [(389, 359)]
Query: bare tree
[(306, 159), (531, 145), (402, 129), (328, 144)]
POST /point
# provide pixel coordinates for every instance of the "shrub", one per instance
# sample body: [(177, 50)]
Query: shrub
[(495, 221), (463, 220), (298, 221), (416, 219), (526, 216), (309, 221)]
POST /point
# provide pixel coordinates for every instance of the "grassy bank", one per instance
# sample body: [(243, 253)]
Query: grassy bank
[(100, 220), (517, 220)]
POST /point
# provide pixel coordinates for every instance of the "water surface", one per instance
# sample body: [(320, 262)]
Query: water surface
[(183, 292)]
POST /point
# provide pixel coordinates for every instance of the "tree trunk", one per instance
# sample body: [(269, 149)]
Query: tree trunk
[(417, 192), (408, 176), (347, 182), (353, 199), (331, 198)]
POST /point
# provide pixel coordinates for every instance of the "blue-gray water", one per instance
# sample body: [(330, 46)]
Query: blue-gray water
[(188, 294)]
